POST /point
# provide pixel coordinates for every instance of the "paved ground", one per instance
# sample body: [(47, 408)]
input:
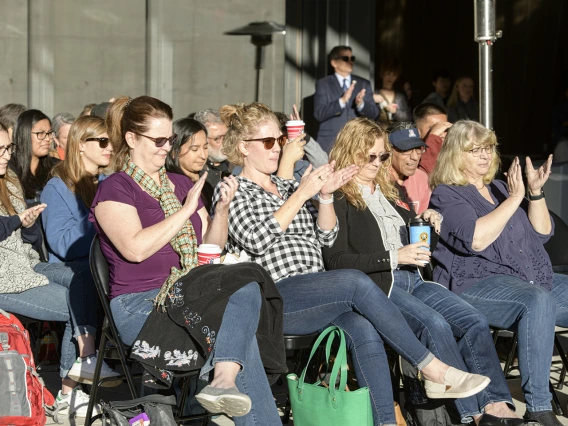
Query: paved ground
[(120, 393)]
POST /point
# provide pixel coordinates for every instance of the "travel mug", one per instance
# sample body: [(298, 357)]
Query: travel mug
[(419, 232)]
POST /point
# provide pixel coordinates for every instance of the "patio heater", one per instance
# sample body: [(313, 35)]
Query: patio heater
[(261, 36), (485, 35)]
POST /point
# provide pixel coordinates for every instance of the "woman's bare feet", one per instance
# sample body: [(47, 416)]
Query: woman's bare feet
[(500, 409), (225, 374), (435, 371)]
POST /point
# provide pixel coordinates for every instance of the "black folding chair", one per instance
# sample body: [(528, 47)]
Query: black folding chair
[(117, 349)]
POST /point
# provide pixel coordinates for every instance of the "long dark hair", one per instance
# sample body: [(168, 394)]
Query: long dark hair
[(22, 157), (185, 129)]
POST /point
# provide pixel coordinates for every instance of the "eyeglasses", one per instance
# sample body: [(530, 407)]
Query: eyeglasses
[(160, 142), (216, 139), (7, 149), (476, 152), (41, 135), (419, 150), (382, 157), (103, 142), (347, 58), (269, 141)]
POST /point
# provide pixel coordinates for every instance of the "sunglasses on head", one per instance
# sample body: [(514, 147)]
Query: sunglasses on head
[(347, 58), (269, 141), (382, 157), (160, 142), (103, 142)]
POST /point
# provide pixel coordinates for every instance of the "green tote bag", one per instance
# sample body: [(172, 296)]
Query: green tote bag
[(315, 405)]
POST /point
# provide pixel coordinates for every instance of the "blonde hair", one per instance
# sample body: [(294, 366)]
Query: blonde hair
[(352, 146), (242, 121), (72, 170), (462, 137), (454, 96)]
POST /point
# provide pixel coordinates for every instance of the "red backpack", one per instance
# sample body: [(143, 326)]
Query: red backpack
[(23, 396)]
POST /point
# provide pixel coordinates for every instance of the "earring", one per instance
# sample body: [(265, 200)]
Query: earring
[(81, 153)]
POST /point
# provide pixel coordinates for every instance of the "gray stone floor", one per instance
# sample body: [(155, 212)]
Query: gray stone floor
[(51, 377)]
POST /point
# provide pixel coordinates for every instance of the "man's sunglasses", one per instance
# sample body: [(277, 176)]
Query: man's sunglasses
[(383, 157), (269, 141), (347, 58), (160, 142), (103, 142)]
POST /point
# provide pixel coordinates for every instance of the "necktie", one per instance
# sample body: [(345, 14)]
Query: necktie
[(344, 85)]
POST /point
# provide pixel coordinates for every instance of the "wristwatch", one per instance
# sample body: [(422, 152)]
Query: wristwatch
[(535, 197)]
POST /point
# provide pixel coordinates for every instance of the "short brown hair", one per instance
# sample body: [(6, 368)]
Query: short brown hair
[(335, 52)]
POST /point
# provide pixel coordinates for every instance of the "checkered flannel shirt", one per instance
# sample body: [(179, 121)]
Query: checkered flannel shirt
[(253, 228)]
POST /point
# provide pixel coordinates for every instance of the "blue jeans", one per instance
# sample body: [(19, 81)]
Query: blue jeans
[(70, 296), (531, 311), (236, 342), (313, 301), (455, 332)]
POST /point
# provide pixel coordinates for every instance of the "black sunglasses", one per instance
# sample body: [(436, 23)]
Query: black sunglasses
[(347, 58), (160, 142), (103, 142), (269, 141), (383, 157)]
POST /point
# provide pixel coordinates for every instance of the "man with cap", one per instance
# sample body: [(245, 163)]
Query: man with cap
[(406, 153)]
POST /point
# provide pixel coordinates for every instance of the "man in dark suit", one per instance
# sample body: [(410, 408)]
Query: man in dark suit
[(341, 97)]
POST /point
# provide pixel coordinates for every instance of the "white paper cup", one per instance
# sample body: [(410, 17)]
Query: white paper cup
[(208, 253), (294, 128)]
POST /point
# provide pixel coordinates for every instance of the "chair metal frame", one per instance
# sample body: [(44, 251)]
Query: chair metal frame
[(110, 334)]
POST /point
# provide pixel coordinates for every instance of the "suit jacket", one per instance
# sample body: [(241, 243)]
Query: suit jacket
[(359, 244), (329, 113)]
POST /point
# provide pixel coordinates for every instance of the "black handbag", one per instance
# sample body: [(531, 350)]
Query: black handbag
[(158, 408)]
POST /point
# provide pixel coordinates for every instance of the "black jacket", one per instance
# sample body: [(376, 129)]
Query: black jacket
[(359, 244), (194, 318)]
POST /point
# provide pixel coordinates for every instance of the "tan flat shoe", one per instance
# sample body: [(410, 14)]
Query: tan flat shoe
[(457, 384)]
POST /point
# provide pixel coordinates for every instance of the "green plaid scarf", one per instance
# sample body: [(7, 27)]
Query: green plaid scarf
[(184, 242)]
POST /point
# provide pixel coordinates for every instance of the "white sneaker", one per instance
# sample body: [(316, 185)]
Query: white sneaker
[(74, 403), (83, 371)]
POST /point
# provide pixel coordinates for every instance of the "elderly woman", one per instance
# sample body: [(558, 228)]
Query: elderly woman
[(491, 251), (150, 224), (70, 192), (274, 222), (373, 238)]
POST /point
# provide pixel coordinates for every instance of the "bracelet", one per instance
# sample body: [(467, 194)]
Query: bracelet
[(322, 201), (535, 197)]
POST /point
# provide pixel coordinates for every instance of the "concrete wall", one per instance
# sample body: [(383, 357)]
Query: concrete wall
[(58, 55)]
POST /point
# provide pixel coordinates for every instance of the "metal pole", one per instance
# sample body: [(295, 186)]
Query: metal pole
[(486, 84), (485, 35)]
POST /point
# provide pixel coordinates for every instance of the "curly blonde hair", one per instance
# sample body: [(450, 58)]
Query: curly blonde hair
[(461, 138), (242, 121), (352, 146)]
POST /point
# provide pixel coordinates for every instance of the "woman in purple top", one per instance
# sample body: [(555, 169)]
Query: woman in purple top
[(150, 224), (491, 251)]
